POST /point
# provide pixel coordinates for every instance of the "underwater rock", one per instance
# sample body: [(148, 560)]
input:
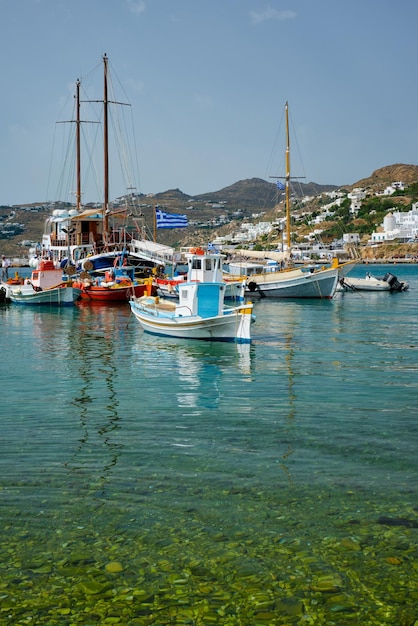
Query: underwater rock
[(114, 567), (327, 584), (350, 544), (91, 587), (398, 521), (290, 606)]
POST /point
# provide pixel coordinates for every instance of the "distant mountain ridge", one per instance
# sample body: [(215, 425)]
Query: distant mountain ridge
[(257, 193), (254, 195)]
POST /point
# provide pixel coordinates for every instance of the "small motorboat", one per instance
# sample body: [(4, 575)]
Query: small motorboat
[(200, 312), (388, 282), (45, 287)]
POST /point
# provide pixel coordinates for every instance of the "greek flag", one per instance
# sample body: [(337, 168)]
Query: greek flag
[(280, 185), (212, 248), (170, 220)]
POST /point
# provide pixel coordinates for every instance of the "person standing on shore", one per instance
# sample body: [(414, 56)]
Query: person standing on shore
[(5, 264)]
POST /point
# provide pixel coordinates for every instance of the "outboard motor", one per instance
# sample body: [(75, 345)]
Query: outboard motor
[(395, 284), (389, 278)]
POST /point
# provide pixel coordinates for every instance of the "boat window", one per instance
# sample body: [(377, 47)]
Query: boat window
[(196, 264), (208, 264)]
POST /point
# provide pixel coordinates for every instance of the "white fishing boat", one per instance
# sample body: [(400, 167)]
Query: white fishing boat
[(268, 281), (45, 287), (200, 312), (388, 282), (168, 287)]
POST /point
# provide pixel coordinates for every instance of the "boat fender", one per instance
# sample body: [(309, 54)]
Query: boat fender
[(87, 265), (252, 286)]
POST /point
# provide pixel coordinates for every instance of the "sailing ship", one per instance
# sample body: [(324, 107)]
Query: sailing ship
[(85, 234), (270, 281)]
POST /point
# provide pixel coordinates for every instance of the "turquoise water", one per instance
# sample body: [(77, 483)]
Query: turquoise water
[(155, 481)]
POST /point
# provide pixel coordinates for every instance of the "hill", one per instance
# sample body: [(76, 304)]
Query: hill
[(258, 194), (237, 201), (388, 174)]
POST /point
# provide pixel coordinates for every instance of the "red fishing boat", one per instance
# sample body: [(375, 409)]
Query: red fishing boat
[(116, 285)]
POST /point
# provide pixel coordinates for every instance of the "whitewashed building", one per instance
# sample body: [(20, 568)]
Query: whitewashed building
[(351, 238), (356, 196), (402, 226)]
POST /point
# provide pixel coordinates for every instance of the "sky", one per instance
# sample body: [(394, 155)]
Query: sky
[(207, 81)]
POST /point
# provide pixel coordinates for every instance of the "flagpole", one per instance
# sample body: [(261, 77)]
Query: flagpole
[(155, 225)]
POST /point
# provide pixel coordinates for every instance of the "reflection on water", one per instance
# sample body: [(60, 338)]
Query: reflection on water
[(95, 400), (155, 481)]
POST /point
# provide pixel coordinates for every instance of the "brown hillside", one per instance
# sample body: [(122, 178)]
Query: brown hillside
[(388, 174)]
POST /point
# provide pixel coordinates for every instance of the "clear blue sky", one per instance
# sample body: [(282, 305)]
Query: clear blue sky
[(208, 80)]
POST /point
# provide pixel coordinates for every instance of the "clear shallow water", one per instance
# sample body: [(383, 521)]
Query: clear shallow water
[(155, 481)]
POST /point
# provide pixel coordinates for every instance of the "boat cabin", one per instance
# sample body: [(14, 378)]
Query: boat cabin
[(46, 276), (246, 268), (204, 267), (203, 299)]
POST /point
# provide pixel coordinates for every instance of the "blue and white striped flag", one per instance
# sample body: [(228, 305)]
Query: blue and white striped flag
[(170, 220), (280, 185)]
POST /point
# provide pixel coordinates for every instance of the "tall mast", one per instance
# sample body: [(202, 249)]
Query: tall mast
[(78, 157), (106, 156), (287, 179), (287, 183), (77, 123)]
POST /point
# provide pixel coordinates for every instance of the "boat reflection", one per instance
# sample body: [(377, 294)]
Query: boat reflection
[(93, 348)]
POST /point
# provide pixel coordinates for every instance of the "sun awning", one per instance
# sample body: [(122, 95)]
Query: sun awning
[(262, 254), (88, 213)]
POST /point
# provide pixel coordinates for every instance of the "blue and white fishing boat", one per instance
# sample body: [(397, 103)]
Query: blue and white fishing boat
[(168, 287), (200, 312)]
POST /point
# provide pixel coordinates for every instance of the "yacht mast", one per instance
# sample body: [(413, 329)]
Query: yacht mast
[(106, 157), (287, 183), (78, 157)]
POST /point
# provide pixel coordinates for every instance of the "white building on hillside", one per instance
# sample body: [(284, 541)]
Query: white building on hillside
[(398, 225), (351, 238), (356, 196)]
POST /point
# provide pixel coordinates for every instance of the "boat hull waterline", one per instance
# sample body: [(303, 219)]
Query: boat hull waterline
[(231, 326), (95, 293), (388, 282), (294, 284), (59, 296)]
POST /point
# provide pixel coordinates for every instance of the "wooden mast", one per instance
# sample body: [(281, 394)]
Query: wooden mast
[(78, 157), (106, 157), (287, 183), (287, 179)]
